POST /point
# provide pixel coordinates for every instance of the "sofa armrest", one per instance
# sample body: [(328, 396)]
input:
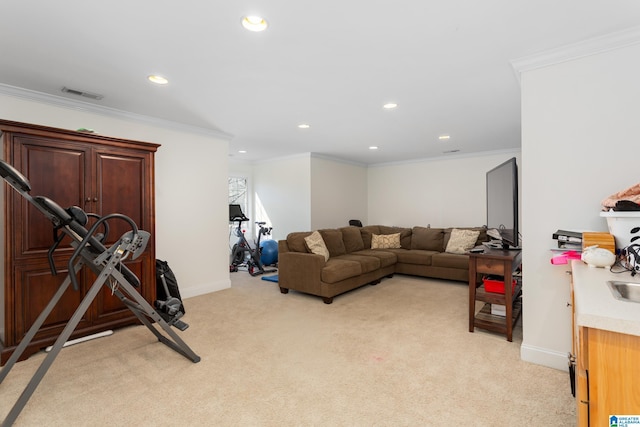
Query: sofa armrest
[(300, 271), (282, 246)]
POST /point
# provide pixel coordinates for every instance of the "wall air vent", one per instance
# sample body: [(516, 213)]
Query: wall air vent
[(76, 92)]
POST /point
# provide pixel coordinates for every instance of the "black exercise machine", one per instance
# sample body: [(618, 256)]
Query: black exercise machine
[(106, 263), (242, 253)]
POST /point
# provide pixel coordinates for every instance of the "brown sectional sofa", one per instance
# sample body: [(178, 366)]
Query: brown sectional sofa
[(352, 263)]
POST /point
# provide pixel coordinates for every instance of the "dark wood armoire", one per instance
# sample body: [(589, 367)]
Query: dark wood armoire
[(101, 175)]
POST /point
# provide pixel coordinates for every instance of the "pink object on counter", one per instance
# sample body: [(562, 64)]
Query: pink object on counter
[(564, 257)]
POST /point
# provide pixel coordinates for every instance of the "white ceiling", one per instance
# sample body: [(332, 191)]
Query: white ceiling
[(330, 63)]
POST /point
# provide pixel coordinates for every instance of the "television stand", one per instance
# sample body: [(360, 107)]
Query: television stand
[(501, 263)]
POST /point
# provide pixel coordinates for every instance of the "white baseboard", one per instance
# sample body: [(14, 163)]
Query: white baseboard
[(545, 357)]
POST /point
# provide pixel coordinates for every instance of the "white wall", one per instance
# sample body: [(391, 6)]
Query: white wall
[(282, 194), (580, 131), (191, 186), (441, 192), (304, 192), (338, 193)]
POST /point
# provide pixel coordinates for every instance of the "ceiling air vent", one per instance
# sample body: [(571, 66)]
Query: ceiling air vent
[(76, 92), (450, 151)]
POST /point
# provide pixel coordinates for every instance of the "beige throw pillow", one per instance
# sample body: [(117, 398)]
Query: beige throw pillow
[(462, 240), (385, 241), (316, 245)]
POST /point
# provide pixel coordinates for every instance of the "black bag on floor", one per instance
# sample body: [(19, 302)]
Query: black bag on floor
[(163, 271)]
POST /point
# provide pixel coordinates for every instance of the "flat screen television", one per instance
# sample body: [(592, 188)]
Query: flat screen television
[(502, 202)]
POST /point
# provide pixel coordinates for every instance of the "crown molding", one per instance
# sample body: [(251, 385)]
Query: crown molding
[(59, 101), (337, 160), (457, 156), (305, 155), (592, 46), (311, 155)]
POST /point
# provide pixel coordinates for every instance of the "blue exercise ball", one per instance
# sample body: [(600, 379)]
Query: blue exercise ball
[(269, 252)]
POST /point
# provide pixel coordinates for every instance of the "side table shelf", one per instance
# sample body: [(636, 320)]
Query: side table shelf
[(501, 263), (485, 320)]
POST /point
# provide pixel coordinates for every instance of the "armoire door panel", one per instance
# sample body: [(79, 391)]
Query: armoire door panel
[(56, 173), (37, 287), (119, 180), (109, 305)]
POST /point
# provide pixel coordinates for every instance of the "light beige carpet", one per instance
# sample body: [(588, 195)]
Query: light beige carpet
[(395, 354)]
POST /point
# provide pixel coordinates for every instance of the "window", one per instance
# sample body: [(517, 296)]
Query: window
[(238, 192)]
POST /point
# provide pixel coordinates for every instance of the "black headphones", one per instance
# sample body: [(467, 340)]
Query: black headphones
[(631, 254)]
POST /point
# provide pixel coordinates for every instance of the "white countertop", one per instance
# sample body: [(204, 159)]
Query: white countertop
[(595, 305)]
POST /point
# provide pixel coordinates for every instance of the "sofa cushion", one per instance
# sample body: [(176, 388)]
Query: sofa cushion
[(352, 239), (428, 239), (366, 232), (461, 240), (295, 241), (337, 269), (414, 256), (367, 263), (482, 237), (385, 241), (447, 260), (387, 257), (333, 240), (316, 245), (405, 234)]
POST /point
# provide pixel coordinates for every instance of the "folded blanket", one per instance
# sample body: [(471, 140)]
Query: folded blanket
[(619, 201)]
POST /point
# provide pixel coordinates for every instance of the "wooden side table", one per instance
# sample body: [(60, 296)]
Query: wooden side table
[(501, 263)]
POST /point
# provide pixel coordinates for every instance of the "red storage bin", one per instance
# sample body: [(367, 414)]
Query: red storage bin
[(496, 284)]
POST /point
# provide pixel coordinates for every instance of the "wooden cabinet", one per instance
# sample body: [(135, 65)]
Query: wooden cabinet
[(607, 370), (607, 373), (577, 367), (501, 263), (100, 174)]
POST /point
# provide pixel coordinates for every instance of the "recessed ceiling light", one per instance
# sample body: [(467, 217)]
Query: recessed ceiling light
[(390, 106), (373, 147), (159, 80), (303, 126), (242, 151), (254, 23), (444, 137)]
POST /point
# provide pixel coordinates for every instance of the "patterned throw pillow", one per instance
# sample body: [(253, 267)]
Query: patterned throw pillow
[(316, 245), (385, 241), (462, 240)]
